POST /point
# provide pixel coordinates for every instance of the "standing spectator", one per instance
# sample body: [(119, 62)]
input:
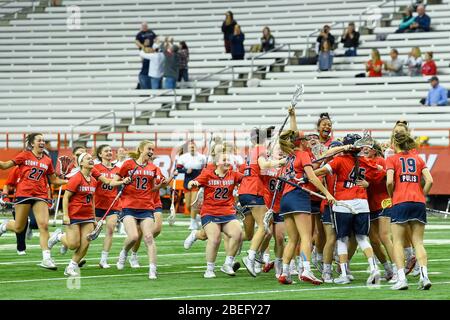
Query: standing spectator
[(407, 20), (144, 34), (267, 40), (325, 37), (414, 62), (421, 22), (156, 69), (429, 66), (325, 58), (438, 95), (171, 65), (184, 59), (237, 44), (144, 79), (395, 66), (350, 39), (228, 30), (374, 67)]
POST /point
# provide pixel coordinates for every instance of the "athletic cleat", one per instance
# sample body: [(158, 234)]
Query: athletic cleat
[(424, 284), (236, 266), (48, 264), (227, 269), (394, 279), (268, 266), (2, 227), (293, 268), (416, 270), (318, 265), (259, 258), (190, 240), (257, 267), (326, 277), (21, 253), (250, 265), (308, 276), (410, 265), (134, 262), (400, 285), (283, 279), (209, 274), (152, 275), (104, 265), (63, 249), (54, 238), (71, 272), (350, 276), (374, 278), (341, 280), (121, 262), (81, 263)]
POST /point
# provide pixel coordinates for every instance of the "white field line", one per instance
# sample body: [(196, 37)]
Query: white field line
[(317, 288)]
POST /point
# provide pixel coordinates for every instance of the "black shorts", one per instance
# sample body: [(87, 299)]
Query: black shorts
[(348, 223), (409, 211), (99, 213), (30, 200)]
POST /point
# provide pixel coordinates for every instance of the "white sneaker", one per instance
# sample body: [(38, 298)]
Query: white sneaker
[(257, 267), (293, 268), (209, 274), (416, 270), (278, 268), (341, 280), (227, 269), (48, 264), (71, 272), (2, 225), (424, 284), (374, 278), (134, 261), (53, 238), (400, 285), (394, 279), (152, 275), (21, 253), (63, 249), (308, 276), (104, 265), (250, 265), (121, 262), (326, 277), (190, 240)]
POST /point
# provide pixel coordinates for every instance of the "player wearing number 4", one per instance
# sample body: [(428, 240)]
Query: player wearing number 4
[(404, 174), (32, 192)]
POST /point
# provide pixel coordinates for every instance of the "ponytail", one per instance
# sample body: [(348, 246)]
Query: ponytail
[(288, 141), (404, 141)]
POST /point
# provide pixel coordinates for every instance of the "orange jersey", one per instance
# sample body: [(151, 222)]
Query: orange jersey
[(295, 165), (33, 175), (13, 178), (81, 201), (104, 193), (218, 194), (344, 167), (155, 194), (270, 182), (377, 190), (252, 182), (138, 194), (407, 168), (309, 185)]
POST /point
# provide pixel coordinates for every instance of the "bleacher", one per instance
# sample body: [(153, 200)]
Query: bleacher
[(54, 77)]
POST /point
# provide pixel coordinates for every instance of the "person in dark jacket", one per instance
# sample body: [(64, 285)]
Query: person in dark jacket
[(228, 30), (171, 66), (267, 40), (350, 39), (237, 44)]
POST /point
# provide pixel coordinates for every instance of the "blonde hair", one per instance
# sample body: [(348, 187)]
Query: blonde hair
[(286, 141), (404, 141), (416, 52), (377, 54), (399, 125), (136, 154)]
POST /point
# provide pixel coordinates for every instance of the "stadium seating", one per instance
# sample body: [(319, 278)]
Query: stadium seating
[(54, 76)]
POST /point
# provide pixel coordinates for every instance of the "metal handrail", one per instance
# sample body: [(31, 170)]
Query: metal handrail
[(72, 127), (150, 98), (268, 51)]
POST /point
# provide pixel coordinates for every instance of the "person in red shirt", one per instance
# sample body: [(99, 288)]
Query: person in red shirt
[(405, 171), (429, 66), (32, 192), (374, 67), (138, 203), (218, 213)]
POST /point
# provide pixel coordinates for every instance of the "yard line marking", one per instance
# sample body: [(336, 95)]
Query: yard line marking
[(274, 291)]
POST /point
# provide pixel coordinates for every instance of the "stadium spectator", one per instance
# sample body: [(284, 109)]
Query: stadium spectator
[(228, 30), (267, 40), (350, 39), (374, 67), (184, 59), (407, 20), (56, 3), (156, 69), (421, 22), (438, 95), (394, 67), (143, 34), (429, 66), (171, 65), (325, 59), (414, 62), (325, 45), (237, 44), (144, 79)]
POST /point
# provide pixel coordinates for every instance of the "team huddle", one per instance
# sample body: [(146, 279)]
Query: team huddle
[(326, 197)]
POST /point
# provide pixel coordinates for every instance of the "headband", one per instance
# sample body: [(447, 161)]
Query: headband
[(80, 158)]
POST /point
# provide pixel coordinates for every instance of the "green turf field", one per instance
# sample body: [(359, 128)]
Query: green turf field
[(180, 274)]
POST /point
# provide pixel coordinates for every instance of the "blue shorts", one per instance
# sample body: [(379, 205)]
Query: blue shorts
[(277, 218), (386, 213), (138, 214), (295, 201), (99, 213), (31, 200), (348, 223), (374, 215), (409, 211), (315, 207), (80, 221), (250, 200), (158, 210), (326, 216), (217, 219)]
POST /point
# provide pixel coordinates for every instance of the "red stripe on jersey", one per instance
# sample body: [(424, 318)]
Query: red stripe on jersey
[(105, 194), (80, 203), (252, 183), (407, 168), (377, 190), (295, 164)]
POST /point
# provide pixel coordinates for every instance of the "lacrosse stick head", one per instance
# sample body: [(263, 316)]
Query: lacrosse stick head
[(298, 92), (94, 234), (267, 218), (64, 165), (240, 211), (365, 141), (171, 218)]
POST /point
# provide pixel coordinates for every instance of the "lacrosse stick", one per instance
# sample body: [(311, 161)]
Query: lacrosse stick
[(299, 90), (173, 213), (64, 163), (337, 203), (435, 211), (240, 211), (365, 141), (269, 214)]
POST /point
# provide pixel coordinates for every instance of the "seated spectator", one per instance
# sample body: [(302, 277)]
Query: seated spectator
[(156, 69), (374, 67), (237, 44), (228, 30), (350, 39), (421, 22), (144, 79), (184, 59), (171, 65), (394, 67), (325, 57), (267, 40), (429, 66), (407, 20), (325, 43), (143, 34), (437, 96), (414, 62)]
